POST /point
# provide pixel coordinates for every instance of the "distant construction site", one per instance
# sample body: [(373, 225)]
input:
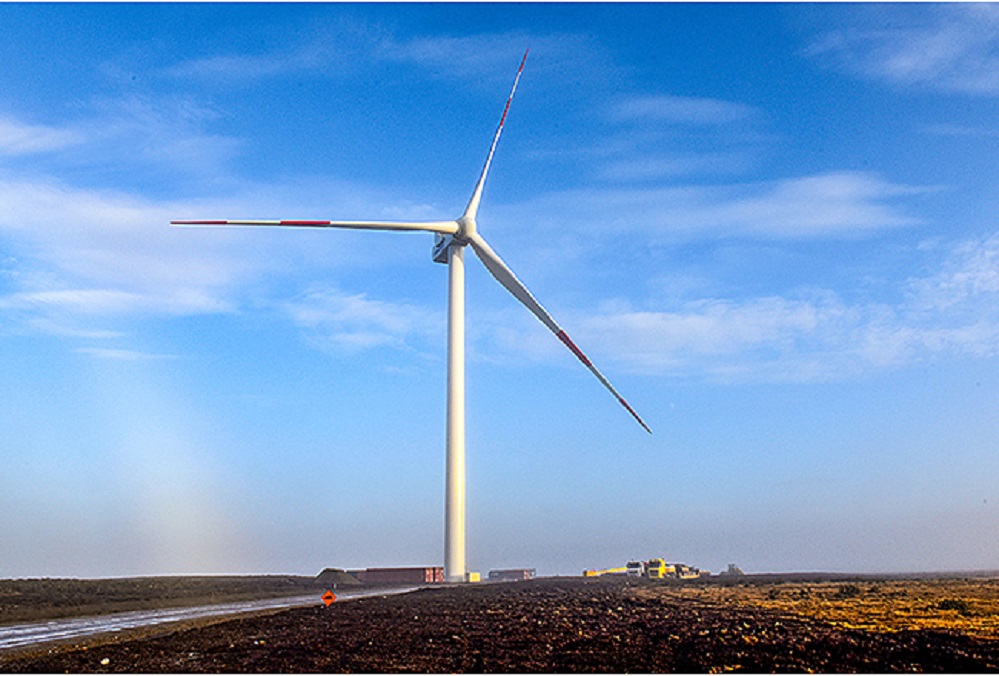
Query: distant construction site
[(654, 568), (335, 577)]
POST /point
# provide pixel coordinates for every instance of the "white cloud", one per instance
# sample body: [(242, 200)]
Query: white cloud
[(355, 322), (322, 47), (106, 254), (464, 56), (229, 68), (106, 237), (121, 354), (831, 205), (109, 255), (242, 68), (843, 202), (663, 136), (86, 301), (949, 48), (686, 110), (970, 273), (126, 140), (18, 138), (76, 260), (167, 138), (343, 45), (115, 302), (953, 312), (86, 257), (488, 59), (761, 337)]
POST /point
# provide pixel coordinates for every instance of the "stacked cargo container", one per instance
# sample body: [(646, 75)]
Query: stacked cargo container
[(414, 575)]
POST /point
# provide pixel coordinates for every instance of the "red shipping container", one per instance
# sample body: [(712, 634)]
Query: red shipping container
[(414, 575)]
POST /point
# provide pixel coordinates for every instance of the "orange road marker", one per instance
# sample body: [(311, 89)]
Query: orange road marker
[(329, 597)]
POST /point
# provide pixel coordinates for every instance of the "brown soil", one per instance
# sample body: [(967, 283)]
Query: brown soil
[(546, 625)]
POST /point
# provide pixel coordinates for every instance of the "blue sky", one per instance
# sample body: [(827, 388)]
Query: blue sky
[(773, 227)]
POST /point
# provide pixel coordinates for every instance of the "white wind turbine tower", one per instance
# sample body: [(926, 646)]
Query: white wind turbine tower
[(451, 238)]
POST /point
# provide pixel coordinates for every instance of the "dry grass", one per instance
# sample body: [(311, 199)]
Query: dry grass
[(969, 606)]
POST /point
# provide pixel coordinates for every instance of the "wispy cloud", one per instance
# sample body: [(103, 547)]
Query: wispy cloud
[(115, 302), (840, 202), (968, 276), (126, 141), (320, 47), (121, 354), (79, 259), (686, 110), (831, 205), (234, 69), (355, 322), (18, 138), (336, 47), (488, 59), (87, 256), (719, 327), (952, 312), (952, 48), (664, 136), (464, 57), (166, 139)]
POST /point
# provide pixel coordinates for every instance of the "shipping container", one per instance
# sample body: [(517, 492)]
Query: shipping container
[(414, 575), (512, 574)]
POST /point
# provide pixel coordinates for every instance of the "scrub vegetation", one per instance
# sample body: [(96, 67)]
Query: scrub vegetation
[(966, 605)]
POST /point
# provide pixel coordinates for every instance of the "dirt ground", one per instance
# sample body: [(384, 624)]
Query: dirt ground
[(583, 625), (27, 600)]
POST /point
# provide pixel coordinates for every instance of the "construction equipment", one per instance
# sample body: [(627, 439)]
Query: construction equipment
[(657, 569), (685, 572), (605, 571)]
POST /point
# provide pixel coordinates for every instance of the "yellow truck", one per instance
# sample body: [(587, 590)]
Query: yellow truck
[(658, 569), (604, 571)]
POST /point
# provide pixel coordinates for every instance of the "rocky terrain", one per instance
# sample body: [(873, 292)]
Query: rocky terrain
[(581, 625)]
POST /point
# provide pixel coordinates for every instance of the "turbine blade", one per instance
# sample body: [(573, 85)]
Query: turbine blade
[(443, 227), (473, 204), (504, 275)]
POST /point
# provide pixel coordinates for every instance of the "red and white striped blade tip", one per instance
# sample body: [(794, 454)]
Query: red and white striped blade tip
[(568, 342)]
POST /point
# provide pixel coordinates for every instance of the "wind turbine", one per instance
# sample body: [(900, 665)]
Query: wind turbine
[(450, 240)]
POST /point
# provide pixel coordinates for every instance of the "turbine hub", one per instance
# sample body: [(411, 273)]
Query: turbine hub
[(466, 228)]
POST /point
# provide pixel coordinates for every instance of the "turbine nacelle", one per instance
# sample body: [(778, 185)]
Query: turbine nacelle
[(465, 230)]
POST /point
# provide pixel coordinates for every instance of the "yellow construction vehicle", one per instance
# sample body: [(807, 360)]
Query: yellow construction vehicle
[(658, 569), (685, 572), (605, 571)]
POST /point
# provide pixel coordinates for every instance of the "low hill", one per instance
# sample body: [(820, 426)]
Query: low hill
[(335, 578)]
